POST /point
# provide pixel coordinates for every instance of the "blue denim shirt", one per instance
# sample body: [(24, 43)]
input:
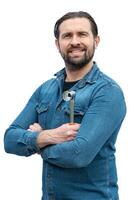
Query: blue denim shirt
[(84, 168)]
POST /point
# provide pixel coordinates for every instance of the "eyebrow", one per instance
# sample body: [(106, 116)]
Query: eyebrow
[(79, 32)]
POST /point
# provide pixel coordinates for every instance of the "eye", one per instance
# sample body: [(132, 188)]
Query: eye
[(66, 35), (83, 34)]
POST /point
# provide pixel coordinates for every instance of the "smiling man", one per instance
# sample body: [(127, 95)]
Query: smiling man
[(78, 157), (76, 42)]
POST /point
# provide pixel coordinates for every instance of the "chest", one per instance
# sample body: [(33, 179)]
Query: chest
[(54, 111)]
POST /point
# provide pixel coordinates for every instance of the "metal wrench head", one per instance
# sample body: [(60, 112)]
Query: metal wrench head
[(68, 95)]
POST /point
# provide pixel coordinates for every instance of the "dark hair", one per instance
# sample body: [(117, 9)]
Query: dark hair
[(78, 14)]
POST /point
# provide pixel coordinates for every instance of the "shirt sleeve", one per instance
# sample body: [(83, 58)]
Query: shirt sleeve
[(102, 120), (18, 140)]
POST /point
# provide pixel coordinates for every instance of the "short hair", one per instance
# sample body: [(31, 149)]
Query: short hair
[(79, 14)]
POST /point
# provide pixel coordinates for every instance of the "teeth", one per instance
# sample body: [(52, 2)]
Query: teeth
[(76, 50)]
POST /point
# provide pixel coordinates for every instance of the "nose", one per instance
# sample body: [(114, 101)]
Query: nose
[(75, 40)]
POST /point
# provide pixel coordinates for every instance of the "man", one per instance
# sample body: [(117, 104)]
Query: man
[(78, 158)]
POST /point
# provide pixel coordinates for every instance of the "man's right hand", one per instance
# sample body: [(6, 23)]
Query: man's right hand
[(65, 132)]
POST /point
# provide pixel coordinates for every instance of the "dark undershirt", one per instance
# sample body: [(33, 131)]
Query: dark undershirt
[(68, 85)]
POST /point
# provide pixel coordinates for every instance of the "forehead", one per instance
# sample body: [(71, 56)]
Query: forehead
[(75, 24)]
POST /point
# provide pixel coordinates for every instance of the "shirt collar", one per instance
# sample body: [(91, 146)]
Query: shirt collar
[(60, 74), (90, 77)]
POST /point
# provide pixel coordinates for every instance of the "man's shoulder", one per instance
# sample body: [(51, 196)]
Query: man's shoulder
[(104, 82), (49, 83), (108, 80)]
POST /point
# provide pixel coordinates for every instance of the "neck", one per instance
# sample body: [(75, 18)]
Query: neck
[(74, 75)]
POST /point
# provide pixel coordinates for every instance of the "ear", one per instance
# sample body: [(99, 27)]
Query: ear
[(57, 44), (97, 40)]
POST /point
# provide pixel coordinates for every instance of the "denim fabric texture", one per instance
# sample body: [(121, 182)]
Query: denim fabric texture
[(84, 168)]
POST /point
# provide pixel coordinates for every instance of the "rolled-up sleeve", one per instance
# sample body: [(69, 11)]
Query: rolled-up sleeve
[(18, 140), (102, 120)]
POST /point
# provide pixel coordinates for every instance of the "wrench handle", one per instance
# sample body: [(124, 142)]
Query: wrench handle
[(72, 110)]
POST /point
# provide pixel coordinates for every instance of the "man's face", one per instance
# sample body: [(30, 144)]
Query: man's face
[(76, 42)]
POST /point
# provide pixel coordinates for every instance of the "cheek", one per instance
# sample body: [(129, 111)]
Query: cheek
[(63, 48), (90, 45), (63, 45), (89, 42)]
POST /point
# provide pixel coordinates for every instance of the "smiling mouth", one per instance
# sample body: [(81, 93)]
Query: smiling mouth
[(76, 52)]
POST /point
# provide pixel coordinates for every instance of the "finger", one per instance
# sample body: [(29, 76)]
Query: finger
[(71, 137), (29, 130), (31, 127), (71, 133), (38, 127), (35, 127), (74, 126)]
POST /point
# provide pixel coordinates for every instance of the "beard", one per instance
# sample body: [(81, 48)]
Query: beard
[(75, 63)]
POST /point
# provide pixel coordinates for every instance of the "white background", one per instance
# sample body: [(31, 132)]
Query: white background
[(28, 57)]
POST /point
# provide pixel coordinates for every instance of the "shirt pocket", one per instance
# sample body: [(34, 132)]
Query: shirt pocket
[(78, 114), (42, 111)]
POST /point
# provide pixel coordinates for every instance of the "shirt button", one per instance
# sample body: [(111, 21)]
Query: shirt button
[(82, 84)]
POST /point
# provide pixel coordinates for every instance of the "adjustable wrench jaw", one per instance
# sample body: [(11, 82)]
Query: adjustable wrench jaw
[(68, 95)]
